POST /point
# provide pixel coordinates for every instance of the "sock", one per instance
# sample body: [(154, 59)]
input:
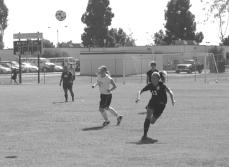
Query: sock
[(146, 126), (112, 111), (72, 94), (66, 97), (104, 114)]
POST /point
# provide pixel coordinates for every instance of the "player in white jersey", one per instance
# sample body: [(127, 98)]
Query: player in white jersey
[(104, 81)]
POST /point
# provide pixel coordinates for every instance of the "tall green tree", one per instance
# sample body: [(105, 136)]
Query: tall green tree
[(48, 44), (218, 10), (117, 37), (97, 18), (159, 38), (180, 22), (69, 44), (3, 21)]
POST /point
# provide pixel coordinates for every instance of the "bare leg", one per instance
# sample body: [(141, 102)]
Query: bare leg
[(66, 94), (103, 113), (112, 111), (147, 122), (72, 94)]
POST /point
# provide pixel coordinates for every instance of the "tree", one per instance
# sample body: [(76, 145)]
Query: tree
[(219, 9), (69, 44), (48, 44), (3, 21), (180, 23), (225, 41), (159, 38), (97, 18), (117, 37), (199, 37)]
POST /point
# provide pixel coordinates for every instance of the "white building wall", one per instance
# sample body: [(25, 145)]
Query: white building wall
[(118, 64)]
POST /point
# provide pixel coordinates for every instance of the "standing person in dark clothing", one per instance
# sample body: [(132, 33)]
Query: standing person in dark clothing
[(157, 102), (67, 79), (149, 73), (14, 76)]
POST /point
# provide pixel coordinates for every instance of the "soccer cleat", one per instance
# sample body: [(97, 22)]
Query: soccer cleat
[(144, 137), (106, 123), (119, 119), (72, 98)]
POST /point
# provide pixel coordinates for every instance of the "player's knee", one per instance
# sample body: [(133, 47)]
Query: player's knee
[(153, 120), (149, 115), (101, 110)]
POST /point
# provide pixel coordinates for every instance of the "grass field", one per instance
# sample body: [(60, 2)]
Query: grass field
[(38, 130)]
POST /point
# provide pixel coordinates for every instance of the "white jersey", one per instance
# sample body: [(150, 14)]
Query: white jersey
[(104, 84)]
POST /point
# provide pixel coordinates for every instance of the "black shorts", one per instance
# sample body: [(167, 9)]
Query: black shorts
[(158, 110), (105, 100), (67, 86)]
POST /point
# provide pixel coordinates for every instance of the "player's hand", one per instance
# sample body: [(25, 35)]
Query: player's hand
[(137, 100), (93, 86), (108, 90), (173, 102)]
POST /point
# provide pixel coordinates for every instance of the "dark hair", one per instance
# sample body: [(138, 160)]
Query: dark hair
[(152, 63)]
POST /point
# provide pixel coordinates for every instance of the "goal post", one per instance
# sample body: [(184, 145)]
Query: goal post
[(138, 64), (209, 63)]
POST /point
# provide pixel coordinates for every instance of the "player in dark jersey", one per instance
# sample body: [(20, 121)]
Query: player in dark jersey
[(67, 79), (14, 76), (157, 102), (149, 73)]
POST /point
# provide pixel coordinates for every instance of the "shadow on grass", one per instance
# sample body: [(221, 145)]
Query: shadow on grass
[(58, 102), (142, 113), (76, 99), (145, 141), (93, 128), (11, 156)]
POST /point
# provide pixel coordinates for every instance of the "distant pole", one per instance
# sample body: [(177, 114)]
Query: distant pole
[(20, 52), (38, 60), (115, 70), (91, 71), (141, 68), (44, 75), (124, 70), (57, 38), (20, 80), (205, 66)]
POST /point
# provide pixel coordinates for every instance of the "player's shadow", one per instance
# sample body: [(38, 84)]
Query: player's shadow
[(145, 141), (58, 102), (142, 113), (93, 128)]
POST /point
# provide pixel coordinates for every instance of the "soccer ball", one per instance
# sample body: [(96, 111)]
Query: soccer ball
[(60, 15)]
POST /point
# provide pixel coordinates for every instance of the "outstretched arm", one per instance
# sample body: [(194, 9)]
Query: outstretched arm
[(147, 87), (171, 95), (113, 86), (95, 84), (138, 96), (61, 79)]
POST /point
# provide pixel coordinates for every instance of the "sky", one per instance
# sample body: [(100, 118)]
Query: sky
[(140, 18)]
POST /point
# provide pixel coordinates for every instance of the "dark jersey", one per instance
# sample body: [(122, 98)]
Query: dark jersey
[(158, 92), (14, 75), (149, 74), (67, 77)]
